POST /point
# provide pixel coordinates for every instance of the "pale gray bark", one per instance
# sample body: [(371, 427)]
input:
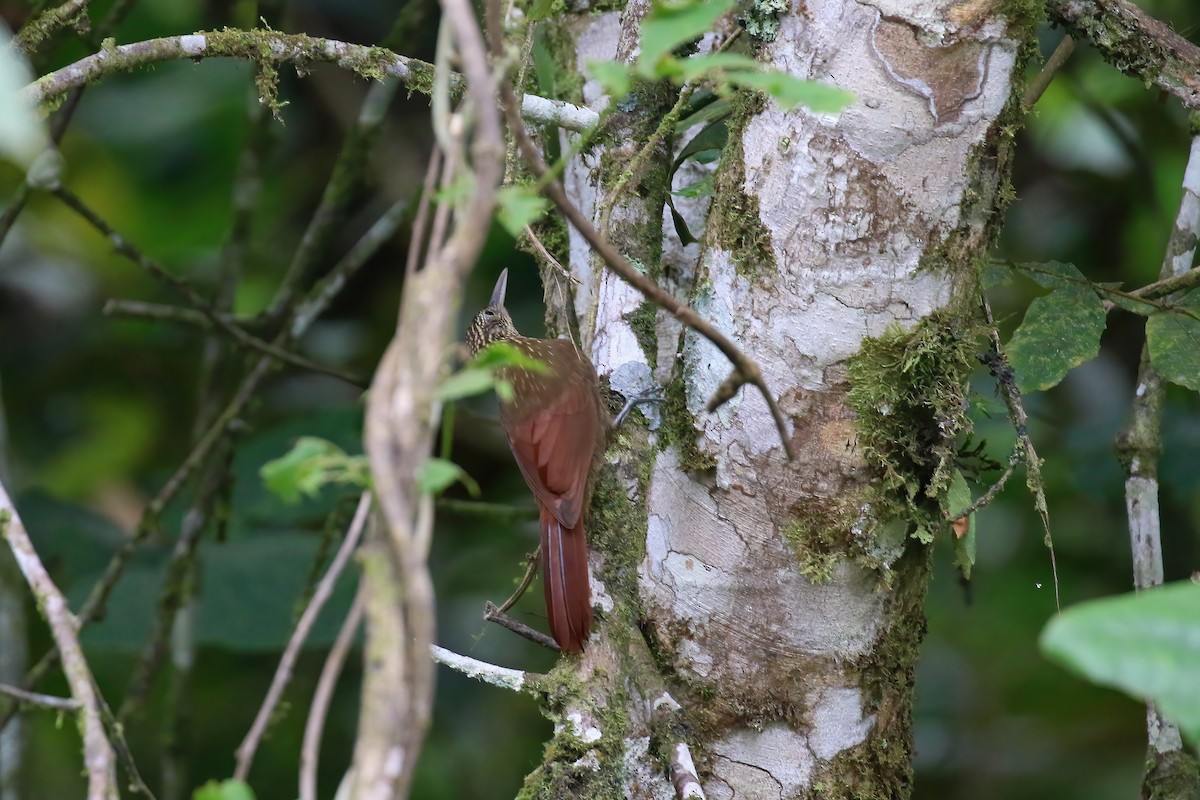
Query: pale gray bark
[(830, 235)]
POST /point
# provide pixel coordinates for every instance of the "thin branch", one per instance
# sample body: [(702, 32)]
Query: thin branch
[(497, 512), (41, 700), (997, 364), (1037, 87), (502, 677), (314, 726), (36, 31), (745, 369), (98, 757), (1135, 43), (1175, 283), (280, 48), (283, 674), (1016, 457), (493, 614), (220, 321), (1138, 448)]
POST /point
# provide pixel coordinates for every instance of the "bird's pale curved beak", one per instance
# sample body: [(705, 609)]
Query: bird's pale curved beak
[(500, 290)]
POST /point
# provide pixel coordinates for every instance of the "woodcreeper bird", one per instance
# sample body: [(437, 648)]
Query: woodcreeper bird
[(556, 427)]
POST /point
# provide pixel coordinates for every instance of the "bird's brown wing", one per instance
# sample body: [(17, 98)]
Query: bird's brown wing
[(553, 432)]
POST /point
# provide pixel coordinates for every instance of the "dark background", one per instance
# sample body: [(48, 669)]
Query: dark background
[(101, 409)]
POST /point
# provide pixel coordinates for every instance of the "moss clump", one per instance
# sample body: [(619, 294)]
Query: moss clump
[(642, 320), (677, 429), (909, 390), (734, 223), (817, 547)]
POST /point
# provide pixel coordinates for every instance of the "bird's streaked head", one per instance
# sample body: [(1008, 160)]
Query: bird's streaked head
[(492, 324)]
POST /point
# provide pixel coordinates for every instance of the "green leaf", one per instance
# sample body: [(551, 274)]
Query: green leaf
[(790, 91), (225, 790), (1173, 339), (504, 354), (311, 464), (681, 226), (958, 500), (466, 382), (701, 188), (1061, 330), (713, 137), (520, 205), (672, 23), (715, 64), (437, 474), (544, 9), (614, 76), (1145, 644), (22, 133), (1054, 274)]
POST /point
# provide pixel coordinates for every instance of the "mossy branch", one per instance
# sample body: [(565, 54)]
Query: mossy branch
[(1135, 43), (273, 48)]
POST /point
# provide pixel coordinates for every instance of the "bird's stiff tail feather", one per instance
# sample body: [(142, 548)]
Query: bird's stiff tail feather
[(565, 579)]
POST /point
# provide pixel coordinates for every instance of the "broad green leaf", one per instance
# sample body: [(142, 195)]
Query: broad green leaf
[(22, 134), (466, 382), (1173, 339), (311, 464), (790, 91), (1145, 644), (711, 138), (681, 226), (1061, 330), (958, 500), (614, 76), (225, 790), (437, 474), (672, 23), (708, 107), (519, 206), (715, 64), (997, 274)]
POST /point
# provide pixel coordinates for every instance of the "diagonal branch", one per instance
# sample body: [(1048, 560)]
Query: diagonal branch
[(1135, 43)]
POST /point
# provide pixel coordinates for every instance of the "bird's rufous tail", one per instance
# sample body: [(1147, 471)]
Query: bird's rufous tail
[(565, 578)]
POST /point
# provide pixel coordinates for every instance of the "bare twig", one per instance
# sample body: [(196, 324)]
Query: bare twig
[(493, 614), (997, 364), (283, 674), (1138, 448), (494, 511), (40, 700), (745, 369), (36, 31), (1016, 457), (515, 679), (1037, 87), (314, 726), (1136, 43), (218, 320), (98, 758), (282, 48), (530, 570)]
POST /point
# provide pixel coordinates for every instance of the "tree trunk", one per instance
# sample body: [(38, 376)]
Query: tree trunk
[(780, 604)]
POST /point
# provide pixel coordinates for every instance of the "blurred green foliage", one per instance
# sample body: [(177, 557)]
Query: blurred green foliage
[(101, 412)]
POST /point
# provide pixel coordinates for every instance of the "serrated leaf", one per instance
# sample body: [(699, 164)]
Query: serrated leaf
[(1145, 644), (225, 790), (1173, 340), (789, 91), (614, 76), (672, 23), (519, 206), (309, 466), (437, 474), (1061, 330), (958, 500)]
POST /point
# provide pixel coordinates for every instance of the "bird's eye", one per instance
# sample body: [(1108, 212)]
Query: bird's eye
[(487, 312)]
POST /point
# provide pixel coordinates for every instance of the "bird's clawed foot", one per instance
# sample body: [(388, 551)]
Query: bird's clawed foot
[(654, 395)]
